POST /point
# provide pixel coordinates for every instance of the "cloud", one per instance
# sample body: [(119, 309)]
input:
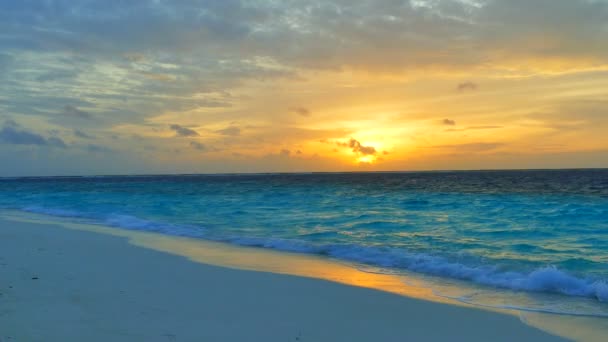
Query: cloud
[(471, 147), (199, 36), (484, 127), (448, 122), (590, 111), (10, 122), (5, 61), (358, 148), (301, 111), (230, 131), (55, 142), (158, 77), (466, 86), (198, 146), (54, 75), (181, 131), (97, 148), (12, 134), (470, 128), (285, 152), (135, 57), (81, 134), (74, 112)]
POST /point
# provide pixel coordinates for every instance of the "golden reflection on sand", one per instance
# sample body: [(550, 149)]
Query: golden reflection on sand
[(256, 259)]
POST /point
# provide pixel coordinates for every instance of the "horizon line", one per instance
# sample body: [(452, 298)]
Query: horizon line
[(269, 173)]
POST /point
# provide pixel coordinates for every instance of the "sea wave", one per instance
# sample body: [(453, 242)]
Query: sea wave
[(122, 221), (548, 279)]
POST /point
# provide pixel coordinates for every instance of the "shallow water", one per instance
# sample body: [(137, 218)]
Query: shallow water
[(533, 240)]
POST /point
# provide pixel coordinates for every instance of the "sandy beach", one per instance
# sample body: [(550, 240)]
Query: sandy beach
[(60, 284)]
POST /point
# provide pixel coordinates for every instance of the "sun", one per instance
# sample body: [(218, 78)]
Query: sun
[(369, 159)]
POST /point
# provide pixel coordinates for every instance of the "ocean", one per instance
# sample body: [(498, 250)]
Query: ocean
[(531, 240)]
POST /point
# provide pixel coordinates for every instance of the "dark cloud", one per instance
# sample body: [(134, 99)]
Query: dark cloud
[(181, 131), (466, 86), (12, 134), (230, 131), (82, 134), (285, 152), (10, 122), (74, 112), (301, 111), (358, 148), (55, 142), (448, 122), (198, 146)]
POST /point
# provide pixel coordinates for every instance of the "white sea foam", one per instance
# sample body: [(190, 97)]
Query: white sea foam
[(546, 279)]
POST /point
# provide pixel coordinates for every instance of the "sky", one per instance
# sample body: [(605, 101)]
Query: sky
[(215, 86)]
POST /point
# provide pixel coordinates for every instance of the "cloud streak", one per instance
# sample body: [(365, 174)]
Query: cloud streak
[(232, 131), (74, 112), (184, 132), (15, 135), (198, 146), (473, 128), (470, 147), (467, 86), (305, 112), (81, 134)]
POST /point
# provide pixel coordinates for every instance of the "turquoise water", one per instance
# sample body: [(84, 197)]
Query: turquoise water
[(530, 239)]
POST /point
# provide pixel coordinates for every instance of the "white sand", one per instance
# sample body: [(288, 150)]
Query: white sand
[(58, 284)]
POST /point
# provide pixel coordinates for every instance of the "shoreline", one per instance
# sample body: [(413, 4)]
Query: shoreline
[(93, 279)]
